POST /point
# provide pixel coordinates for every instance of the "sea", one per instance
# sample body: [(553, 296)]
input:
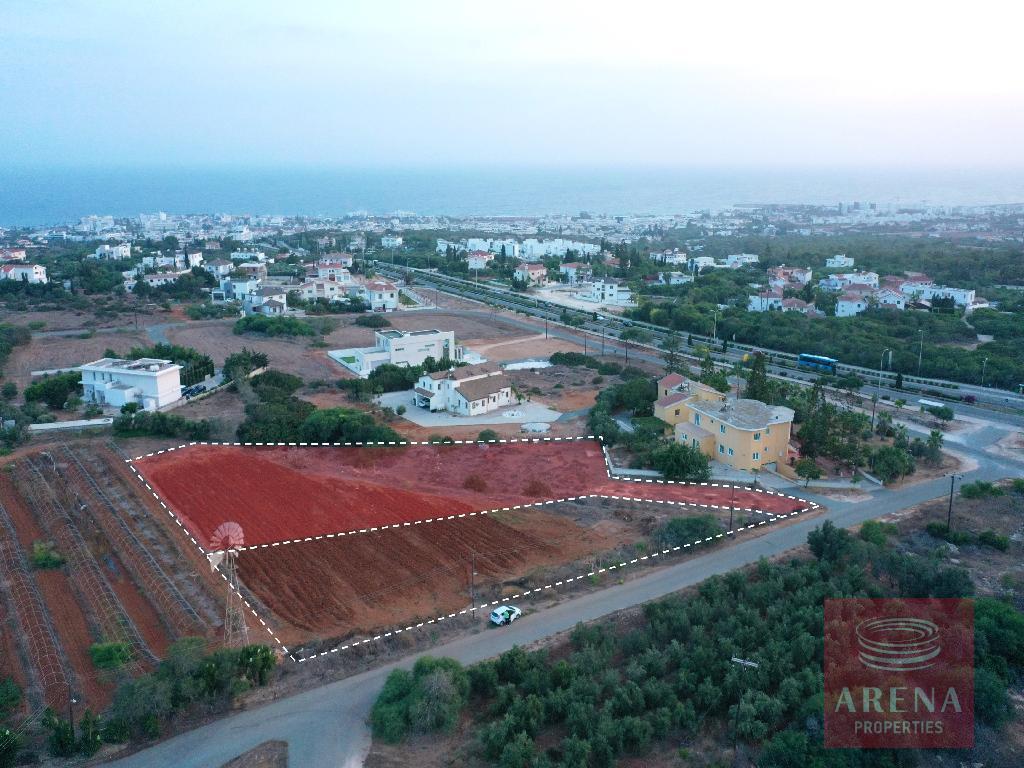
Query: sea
[(39, 196)]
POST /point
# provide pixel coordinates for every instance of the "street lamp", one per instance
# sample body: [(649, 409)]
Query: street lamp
[(878, 389)]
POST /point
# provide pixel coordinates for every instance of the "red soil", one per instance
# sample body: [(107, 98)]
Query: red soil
[(280, 493), (336, 588)]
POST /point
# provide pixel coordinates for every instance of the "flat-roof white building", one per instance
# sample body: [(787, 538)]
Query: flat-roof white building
[(150, 382), (403, 348)]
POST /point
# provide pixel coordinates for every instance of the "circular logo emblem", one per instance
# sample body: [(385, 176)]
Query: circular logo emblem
[(899, 644)]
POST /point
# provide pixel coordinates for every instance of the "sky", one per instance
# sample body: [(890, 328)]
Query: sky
[(336, 83)]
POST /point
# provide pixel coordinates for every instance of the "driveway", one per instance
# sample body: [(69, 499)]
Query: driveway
[(519, 414)]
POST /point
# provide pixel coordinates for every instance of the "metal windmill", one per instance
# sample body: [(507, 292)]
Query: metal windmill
[(224, 545)]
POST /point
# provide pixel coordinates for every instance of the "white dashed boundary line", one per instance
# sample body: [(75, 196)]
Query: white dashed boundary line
[(554, 585), (810, 505)]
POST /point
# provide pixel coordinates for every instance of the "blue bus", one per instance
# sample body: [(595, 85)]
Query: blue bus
[(817, 363)]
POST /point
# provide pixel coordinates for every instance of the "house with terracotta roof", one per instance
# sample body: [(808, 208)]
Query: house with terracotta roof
[(467, 391), (29, 273)]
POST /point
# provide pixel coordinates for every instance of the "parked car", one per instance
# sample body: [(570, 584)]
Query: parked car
[(505, 614)]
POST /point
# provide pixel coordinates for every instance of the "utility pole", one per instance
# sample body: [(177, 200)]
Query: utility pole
[(472, 584), (736, 716), (949, 513), (878, 388), (732, 508)]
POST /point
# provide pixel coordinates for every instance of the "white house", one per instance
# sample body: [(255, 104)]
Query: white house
[(962, 297), (850, 304), (403, 348), (531, 274), (29, 273), (468, 391), (381, 295), (391, 241), (576, 272), (886, 297), (839, 261), (609, 291), (248, 256), (235, 288), (115, 252), (479, 259), (335, 261), (266, 300), (766, 301), (737, 260), (841, 280), (319, 288), (219, 267), (150, 382)]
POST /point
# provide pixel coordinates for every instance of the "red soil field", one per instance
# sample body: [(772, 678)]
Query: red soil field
[(334, 588), (282, 493)]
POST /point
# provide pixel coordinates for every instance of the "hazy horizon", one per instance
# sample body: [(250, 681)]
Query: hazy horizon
[(399, 84)]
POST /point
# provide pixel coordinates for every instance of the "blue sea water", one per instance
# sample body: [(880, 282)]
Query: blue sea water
[(37, 196)]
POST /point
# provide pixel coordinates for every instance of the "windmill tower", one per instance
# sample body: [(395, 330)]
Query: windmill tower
[(225, 543)]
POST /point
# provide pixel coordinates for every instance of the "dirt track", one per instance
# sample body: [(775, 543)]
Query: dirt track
[(280, 493)]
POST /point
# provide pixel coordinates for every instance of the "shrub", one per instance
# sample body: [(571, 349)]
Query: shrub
[(994, 540), (110, 655), (426, 700), (373, 321), (54, 390), (877, 533), (941, 531), (681, 531), (474, 482), (274, 326), (45, 556), (981, 489)]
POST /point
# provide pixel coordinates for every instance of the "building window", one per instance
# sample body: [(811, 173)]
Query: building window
[(757, 435), (721, 449), (756, 456)]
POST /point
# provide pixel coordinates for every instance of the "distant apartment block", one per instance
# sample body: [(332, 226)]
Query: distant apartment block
[(150, 382)]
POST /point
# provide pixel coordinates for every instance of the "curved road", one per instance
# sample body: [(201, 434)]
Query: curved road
[(326, 726)]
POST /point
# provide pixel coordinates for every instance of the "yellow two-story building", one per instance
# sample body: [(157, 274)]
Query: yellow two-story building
[(743, 434)]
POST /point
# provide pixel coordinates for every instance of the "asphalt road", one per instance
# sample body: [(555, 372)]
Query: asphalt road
[(326, 726)]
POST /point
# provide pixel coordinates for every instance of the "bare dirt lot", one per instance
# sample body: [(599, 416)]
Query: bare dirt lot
[(47, 352), (280, 493)]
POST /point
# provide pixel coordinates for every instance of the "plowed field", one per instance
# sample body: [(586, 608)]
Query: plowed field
[(334, 588), (281, 493)]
